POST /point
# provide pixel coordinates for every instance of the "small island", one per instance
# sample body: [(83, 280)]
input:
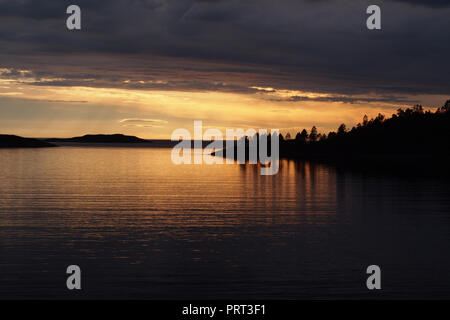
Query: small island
[(12, 141), (100, 138)]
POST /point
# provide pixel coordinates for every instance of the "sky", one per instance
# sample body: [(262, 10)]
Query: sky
[(148, 67)]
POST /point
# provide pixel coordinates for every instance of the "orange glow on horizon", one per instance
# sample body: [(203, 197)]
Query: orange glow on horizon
[(178, 109)]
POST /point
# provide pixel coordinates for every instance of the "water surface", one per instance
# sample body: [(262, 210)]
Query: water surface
[(141, 227)]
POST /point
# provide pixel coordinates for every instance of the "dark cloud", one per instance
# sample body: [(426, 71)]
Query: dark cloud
[(344, 99), (231, 45), (428, 3)]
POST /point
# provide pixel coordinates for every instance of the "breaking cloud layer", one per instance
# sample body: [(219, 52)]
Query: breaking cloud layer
[(230, 46)]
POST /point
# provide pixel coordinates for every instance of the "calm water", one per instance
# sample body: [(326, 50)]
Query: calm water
[(141, 227)]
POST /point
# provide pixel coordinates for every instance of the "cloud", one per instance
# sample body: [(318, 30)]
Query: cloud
[(230, 46), (428, 3), (67, 101), (11, 73), (143, 123), (346, 99)]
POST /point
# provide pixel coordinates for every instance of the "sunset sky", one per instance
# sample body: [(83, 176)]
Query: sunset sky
[(147, 67)]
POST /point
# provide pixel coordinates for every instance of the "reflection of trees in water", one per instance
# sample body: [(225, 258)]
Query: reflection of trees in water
[(299, 187)]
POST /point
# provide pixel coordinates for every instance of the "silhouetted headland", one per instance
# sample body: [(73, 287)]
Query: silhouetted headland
[(412, 140), (101, 138), (12, 141)]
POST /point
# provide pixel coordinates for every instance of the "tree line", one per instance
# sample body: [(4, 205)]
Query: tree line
[(409, 130)]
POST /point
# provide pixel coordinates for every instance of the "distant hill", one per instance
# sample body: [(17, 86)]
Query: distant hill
[(11, 141), (100, 138)]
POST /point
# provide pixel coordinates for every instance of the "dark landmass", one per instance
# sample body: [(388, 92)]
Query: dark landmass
[(100, 138), (412, 141), (11, 141)]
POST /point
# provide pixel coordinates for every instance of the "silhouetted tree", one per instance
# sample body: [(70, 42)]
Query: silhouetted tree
[(331, 135), (365, 120), (302, 136), (288, 136), (322, 137), (445, 107), (410, 130), (379, 119), (313, 134), (418, 108), (342, 129)]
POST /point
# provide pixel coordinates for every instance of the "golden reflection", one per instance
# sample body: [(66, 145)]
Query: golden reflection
[(90, 188)]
